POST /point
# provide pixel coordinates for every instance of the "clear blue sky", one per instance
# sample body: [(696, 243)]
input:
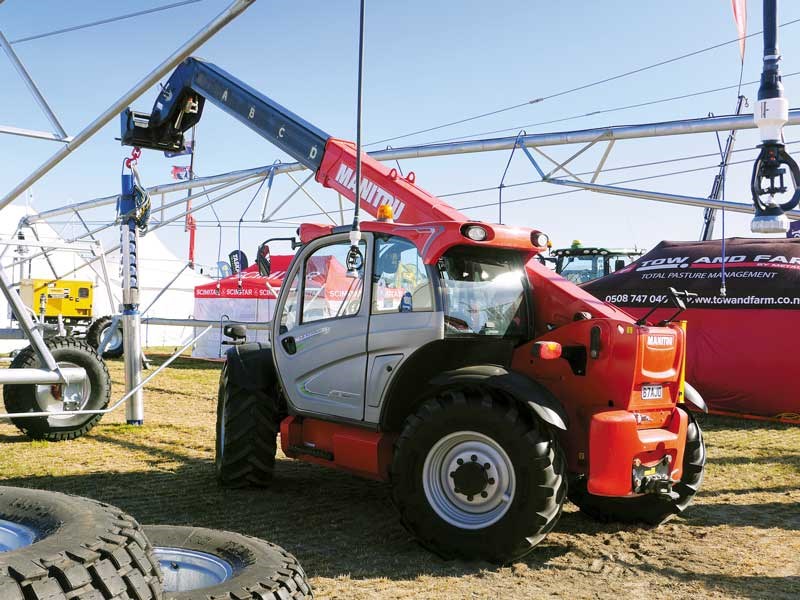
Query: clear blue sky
[(426, 63)]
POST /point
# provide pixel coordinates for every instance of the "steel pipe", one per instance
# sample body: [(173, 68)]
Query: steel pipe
[(32, 87), (103, 411), (737, 207), (254, 325), (41, 376), (225, 17)]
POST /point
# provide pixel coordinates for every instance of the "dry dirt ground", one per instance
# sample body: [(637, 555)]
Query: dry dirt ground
[(741, 539)]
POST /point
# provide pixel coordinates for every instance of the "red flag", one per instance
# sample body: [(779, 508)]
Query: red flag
[(181, 172), (740, 16)]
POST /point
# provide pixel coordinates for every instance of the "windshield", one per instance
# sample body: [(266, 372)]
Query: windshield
[(483, 292), (580, 269)]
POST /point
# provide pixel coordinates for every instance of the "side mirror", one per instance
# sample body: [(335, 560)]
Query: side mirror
[(619, 264), (237, 334), (264, 260)]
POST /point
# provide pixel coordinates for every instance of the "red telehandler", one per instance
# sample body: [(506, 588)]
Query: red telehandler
[(443, 359)]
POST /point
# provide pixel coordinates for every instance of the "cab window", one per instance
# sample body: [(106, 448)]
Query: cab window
[(329, 290), (290, 306), (400, 281), (483, 292)]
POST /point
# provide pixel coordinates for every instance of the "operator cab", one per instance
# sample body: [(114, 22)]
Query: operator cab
[(339, 335)]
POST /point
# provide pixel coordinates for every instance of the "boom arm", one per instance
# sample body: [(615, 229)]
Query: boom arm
[(180, 104)]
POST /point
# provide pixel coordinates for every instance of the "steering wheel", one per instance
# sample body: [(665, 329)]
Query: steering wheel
[(456, 324)]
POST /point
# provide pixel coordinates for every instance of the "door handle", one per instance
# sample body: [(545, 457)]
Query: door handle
[(289, 345)]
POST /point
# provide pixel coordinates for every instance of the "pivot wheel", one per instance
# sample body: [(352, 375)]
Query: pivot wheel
[(476, 478), (92, 393), (652, 509), (97, 332)]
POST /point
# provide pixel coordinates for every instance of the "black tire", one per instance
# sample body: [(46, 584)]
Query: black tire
[(95, 333), (85, 550), (651, 509), (21, 398), (260, 570), (247, 431), (537, 464)]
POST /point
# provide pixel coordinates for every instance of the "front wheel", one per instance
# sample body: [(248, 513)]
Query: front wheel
[(247, 430), (92, 393), (474, 478), (651, 509)]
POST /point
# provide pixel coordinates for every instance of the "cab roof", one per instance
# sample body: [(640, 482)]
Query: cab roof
[(434, 238)]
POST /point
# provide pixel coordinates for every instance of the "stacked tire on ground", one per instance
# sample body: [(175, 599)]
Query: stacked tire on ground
[(59, 547)]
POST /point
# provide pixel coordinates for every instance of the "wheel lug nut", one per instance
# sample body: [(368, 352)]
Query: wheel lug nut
[(486, 466), (474, 458), (452, 473), (484, 495), (460, 461), (491, 480), (458, 491), (469, 498)]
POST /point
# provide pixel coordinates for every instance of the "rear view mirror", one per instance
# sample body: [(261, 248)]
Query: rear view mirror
[(264, 260)]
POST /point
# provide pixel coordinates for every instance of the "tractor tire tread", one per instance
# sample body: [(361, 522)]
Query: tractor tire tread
[(250, 437), (108, 559), (543, 451)]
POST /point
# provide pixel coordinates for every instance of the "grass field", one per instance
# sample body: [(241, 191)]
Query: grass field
[(741, 539)]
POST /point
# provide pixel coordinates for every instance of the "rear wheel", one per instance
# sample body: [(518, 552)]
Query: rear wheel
[(97, 331), (652, 509), (202, 563), (92, 393), (474, 478), (247, 430)]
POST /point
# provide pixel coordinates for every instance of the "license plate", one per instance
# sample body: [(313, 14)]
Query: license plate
[(652, 392)]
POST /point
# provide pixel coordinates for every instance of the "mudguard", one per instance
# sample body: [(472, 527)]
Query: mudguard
[(536, 396), (251, 365), (693, 397)]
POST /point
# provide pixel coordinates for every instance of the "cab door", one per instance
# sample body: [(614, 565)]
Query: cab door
[(320, 330)]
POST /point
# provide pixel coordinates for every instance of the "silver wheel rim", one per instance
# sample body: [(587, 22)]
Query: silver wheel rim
[(14, 536), (186, 570), (48, 401), (440, 474), (115, 341)]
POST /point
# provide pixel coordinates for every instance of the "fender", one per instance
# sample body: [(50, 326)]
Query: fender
[(251, 365), (693, 397), (536, 396)]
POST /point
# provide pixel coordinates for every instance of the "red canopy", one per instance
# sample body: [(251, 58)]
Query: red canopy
[(252, 285)]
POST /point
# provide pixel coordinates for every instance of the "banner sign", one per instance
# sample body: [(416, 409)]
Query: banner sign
[(238, 260), (759, 274)]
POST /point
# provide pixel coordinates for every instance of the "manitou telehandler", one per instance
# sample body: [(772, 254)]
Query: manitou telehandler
[(443, 359)]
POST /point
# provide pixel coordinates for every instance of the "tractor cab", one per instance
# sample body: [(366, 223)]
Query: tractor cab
[(581, 264)]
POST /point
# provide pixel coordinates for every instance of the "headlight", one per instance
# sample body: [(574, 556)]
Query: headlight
[(539, 239), (474, 232)]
